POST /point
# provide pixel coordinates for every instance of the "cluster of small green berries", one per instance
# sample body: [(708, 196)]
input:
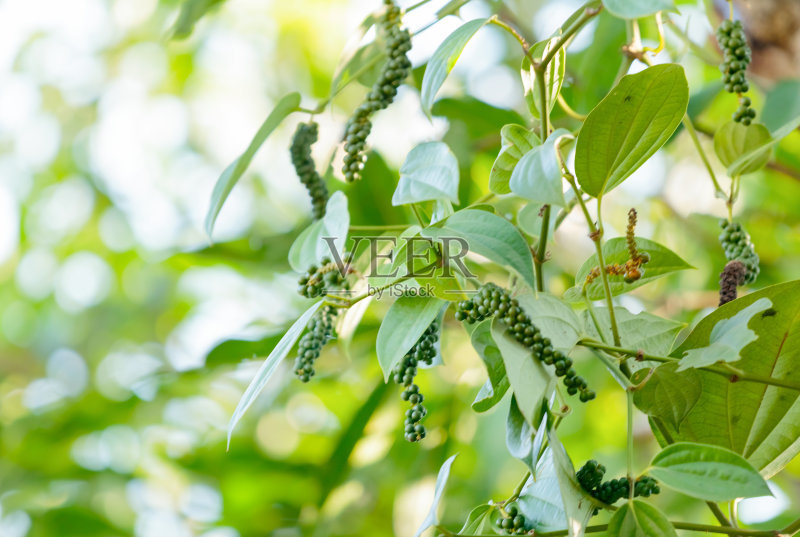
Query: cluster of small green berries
[(423, 352), (737, 245), (304, 137), (514, 523), (383, 92), (318, 280), (590, 477), (733, 43), (491, 301), (320, 331)]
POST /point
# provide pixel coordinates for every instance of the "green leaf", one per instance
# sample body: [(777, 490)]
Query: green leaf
[(629, 126), (667, 395), (540, 501), (734, 140), (430, 172), (636, 9), (537, 176), (191, 12), (356, 60), (516, 140), (531, 382), (782, 105), (639, 519), (310, 247), (497, 384), (478, 521), (236, 169), (490, 236), (268, 367), (529, 219), (707, 472), (663, 261), (753, 154), (728, 338), (441, 480), (759, 422), (519, 436), (578, 506), (556, 319), (651, 333), (444, 59), (406, 320), (553, 74)]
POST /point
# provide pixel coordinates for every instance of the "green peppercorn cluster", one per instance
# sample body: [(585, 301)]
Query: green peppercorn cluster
[(590, 477), (423, 352), (320, 331), (737, 245), (513, 523), (318, 280), (733, 43), (383, 92), (491, 301), (304, 137)]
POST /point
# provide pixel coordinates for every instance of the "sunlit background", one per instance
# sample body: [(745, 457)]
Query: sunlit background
[(115, 384)]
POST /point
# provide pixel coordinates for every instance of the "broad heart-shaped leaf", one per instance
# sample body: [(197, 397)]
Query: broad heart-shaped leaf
[(651, 333), (640, 519), (728, 338), (236, 169), (578, 506), (479, 520), (537, 176), (759, 422), (629, 125), (497, 384), (530, 381), (556, 319), (404, 323), (444, 59), (516, 140), (268, 367), (430, 172), (488, 235), (540, 501), (707, 472), (553, 75), (310, 246), (667, 395), (441, 480), (636, 9), (782, 105), (733, 140), (663, 261)]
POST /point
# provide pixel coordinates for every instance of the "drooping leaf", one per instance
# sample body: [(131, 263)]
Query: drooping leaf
[(553, 75), (479, 520), (519, 436), (666, 395), (663, 261), (310, 246), (490, 236), (707, 472), (733, 140), (441, 481), (640, 519), (578, 506), (540, 501), (636, 9), (266, 370), (497, 384), (537, 176), (651, 333), (728, 338), (407, 319), (444, 59), (191, 12), (531, 382), (556, 319), (236, 169), (430, 172), (629, 126), (516, 141), (759, 422)]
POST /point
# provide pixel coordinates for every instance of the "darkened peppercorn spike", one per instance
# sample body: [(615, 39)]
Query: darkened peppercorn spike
[(383, 92), (737, 246), (424, 352), (513, 523), (731, 277), (590, 477), (733, 42), (491, 301), (320, 331), (304, 137)]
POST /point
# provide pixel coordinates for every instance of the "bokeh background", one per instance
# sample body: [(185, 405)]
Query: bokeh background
[(127, 336)]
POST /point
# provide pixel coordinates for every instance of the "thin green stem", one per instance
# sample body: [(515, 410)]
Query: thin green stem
[(518, 489), (792, 528), (631, 477), (483, 199), (418, 215), (579, 23), (541, 250), (597, 237), (526, 48), (340, 302), (687, 122), (393, 227), (544, 109), (593, 314)]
